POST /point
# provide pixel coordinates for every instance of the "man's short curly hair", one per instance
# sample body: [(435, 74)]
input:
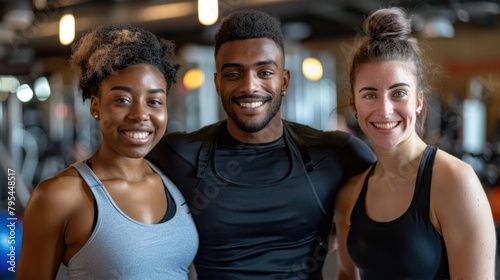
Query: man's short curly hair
[(107, 49), (249, 24)]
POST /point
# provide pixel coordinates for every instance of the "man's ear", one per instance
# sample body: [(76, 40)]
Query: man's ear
[(216, 82), (286, 80)]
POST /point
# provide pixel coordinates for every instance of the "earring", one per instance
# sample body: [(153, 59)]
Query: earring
[(283, 93), (96, 116)]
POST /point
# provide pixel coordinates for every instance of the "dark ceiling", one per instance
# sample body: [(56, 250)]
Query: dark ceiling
[(302, 19)]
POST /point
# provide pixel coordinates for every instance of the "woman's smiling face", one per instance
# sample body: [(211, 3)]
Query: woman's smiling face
[(132, 108), (387, 102)]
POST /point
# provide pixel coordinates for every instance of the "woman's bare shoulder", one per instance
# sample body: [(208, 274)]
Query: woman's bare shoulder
[(64, 188), (448, 169)]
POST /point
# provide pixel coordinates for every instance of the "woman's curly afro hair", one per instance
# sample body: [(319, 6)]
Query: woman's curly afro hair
[(107, 49)]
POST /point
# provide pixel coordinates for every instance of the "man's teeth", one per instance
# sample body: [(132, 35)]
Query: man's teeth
[(251, 104), (137, 135), (385, 125)]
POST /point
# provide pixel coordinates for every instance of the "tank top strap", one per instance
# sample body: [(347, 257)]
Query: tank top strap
[(423, 182), (171, 188), (87, 174), (359, 206)]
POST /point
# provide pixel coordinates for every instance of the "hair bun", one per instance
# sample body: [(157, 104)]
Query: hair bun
[(393, 23)]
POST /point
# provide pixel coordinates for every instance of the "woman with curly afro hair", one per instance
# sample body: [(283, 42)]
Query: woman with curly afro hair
[(114, 215)]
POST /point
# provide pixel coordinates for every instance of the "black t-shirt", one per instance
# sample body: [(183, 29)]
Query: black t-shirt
[(262, 211), (233, 155)]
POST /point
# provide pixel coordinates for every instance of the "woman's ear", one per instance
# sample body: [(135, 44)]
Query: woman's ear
[(420, 102), (94, 106), (352, 105)]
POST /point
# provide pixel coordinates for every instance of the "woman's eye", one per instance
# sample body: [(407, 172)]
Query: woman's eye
[(156, 102), (369, 96), (400, 93)]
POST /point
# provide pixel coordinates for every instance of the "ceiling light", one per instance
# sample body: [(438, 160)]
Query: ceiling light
[(166, 11), (67, 29), (24, 93), (208, 11), (312, 69), (42, 88)]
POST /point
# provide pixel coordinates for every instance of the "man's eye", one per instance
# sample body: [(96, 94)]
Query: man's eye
[(121, 100), (231, 75)]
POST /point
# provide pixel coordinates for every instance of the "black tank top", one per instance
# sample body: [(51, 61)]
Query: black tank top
[(408, 247)]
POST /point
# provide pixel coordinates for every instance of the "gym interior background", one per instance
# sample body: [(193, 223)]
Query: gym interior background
[(44, 125)]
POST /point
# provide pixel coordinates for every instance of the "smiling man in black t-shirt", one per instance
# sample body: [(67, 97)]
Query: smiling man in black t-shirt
[(261, 189)]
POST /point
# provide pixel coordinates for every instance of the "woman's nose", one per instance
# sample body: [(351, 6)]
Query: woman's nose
[(138, 112), (386, 108)]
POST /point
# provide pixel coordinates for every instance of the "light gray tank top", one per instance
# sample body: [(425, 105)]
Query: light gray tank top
[(122, 248)]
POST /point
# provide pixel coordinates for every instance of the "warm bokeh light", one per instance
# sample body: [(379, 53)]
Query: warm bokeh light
[(67, 29), (61, 111), (166, 11), (193, 79), (208, 11), (312, 69)]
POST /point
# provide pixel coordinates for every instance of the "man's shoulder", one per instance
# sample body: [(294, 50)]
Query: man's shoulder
[(324, 144), (316, 137), (181, 145), (192, 139)]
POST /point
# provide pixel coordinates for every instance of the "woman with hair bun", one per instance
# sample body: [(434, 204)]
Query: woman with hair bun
[(418, 212), (114, 215)]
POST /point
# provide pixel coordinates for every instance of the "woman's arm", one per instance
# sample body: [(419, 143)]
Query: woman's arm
[(463, 215), (44, 221), (344, 202), (345, 268)]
